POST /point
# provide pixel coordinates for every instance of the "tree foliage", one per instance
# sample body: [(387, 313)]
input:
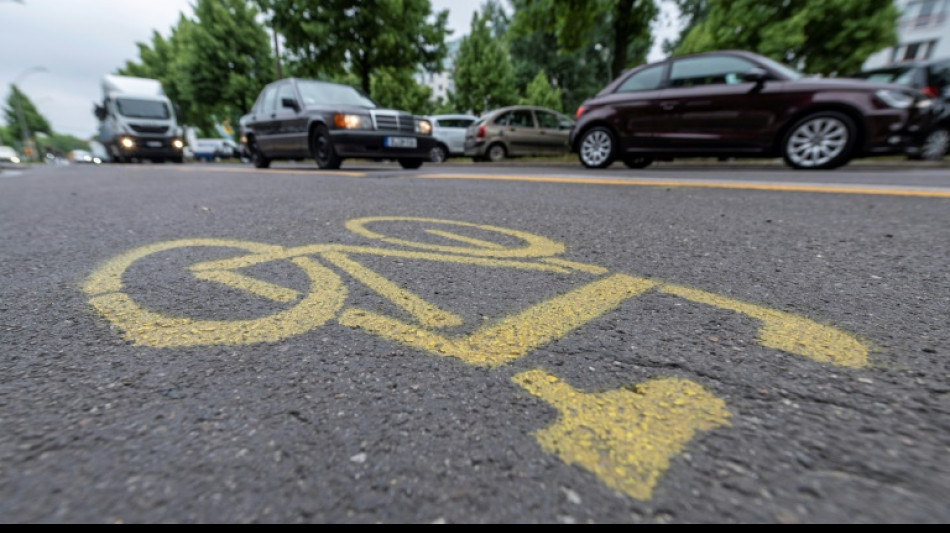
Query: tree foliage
[(484, 78), (540, 93), (396, 89), (623, 26), (817, 36), (35, 122), (360, 36), (213, 66), (533, 43)]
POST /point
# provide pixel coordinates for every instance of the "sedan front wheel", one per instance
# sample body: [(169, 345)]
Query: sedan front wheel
[(820, 141), (597, 148)]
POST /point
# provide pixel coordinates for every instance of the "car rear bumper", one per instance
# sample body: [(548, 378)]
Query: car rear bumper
[(375, 145)]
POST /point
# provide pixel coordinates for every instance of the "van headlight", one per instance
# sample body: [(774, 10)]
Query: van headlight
[(345, 121), (424, 127), (127, 143), (896, 99), (177, 143)]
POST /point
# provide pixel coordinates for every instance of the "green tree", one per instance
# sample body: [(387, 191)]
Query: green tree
[(533, 43), (35, 122), (816, 36), (6, 137), (396, 89), (324, 37), (165, 60), (484, 78), (626, 32), (540, 93), (226, 60)]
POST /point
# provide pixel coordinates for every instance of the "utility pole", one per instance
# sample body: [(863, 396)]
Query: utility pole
[(280, 70)]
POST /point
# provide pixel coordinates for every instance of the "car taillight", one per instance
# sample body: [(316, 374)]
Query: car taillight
[(481, 132), (580, 111), (931, 92)]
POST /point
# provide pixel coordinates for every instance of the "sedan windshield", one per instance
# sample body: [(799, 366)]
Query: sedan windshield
[(782, 70), (331, 94), (152, 109)]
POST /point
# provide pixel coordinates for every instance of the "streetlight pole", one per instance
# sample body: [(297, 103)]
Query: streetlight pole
[(24, 127)]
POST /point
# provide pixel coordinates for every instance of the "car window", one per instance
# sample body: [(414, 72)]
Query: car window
[(648, 79), (712, 70), (940, 75), (454, 122), (548, 121), (268, 100), (285, 90), (521, 119), (902, 76), (332, 94)]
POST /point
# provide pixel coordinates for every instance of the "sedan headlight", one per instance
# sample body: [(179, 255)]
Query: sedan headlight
[(352, 122), (424, 127), (896, 99)]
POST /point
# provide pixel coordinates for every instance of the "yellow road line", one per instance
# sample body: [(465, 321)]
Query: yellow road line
[(814, 188), (427, 314), (516, 336), (254, 286)]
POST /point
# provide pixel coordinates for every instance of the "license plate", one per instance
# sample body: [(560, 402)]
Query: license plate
[(154, 144), (401, 142)]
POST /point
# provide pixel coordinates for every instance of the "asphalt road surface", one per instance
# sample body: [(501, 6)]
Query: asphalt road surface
[(475, 344)]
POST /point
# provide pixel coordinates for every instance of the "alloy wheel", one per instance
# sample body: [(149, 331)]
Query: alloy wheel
[(818, 142), (936, 145), (597, 149)]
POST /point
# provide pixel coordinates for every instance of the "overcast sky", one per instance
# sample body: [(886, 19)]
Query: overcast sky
[(76, 42)]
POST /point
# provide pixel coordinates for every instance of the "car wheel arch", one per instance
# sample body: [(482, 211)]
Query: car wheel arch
[(851, 112), (576, 145)]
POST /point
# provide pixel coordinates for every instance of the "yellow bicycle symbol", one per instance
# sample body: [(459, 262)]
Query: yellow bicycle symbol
[(626, 437)]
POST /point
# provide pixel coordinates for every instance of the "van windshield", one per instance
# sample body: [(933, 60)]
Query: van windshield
[(132, 108), (331, 94)]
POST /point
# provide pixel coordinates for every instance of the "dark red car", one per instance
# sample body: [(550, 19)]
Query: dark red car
[(739, 104)]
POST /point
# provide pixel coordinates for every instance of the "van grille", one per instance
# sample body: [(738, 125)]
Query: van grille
[(138, 128), (393, 122)]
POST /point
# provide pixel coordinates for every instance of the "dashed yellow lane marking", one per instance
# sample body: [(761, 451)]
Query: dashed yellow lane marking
[(812, 188), (516, 336), (787, 332), (427, 314), (624, 437)]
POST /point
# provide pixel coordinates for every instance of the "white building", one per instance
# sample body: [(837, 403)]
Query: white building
[(442, 83), (923, 33)]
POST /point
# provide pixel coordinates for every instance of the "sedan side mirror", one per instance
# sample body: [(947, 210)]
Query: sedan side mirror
[(290, 103), (755, 75)]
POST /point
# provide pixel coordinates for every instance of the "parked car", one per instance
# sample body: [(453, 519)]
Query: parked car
[(449, 133), (215, 149), (8, 155), (297, 119), (932, 78), (733, 104), (518, 131), (83, 157)]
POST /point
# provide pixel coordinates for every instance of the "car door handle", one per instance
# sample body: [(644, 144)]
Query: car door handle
[(669, 106)]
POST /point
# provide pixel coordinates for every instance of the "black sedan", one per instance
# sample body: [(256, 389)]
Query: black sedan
[(295, 119)]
